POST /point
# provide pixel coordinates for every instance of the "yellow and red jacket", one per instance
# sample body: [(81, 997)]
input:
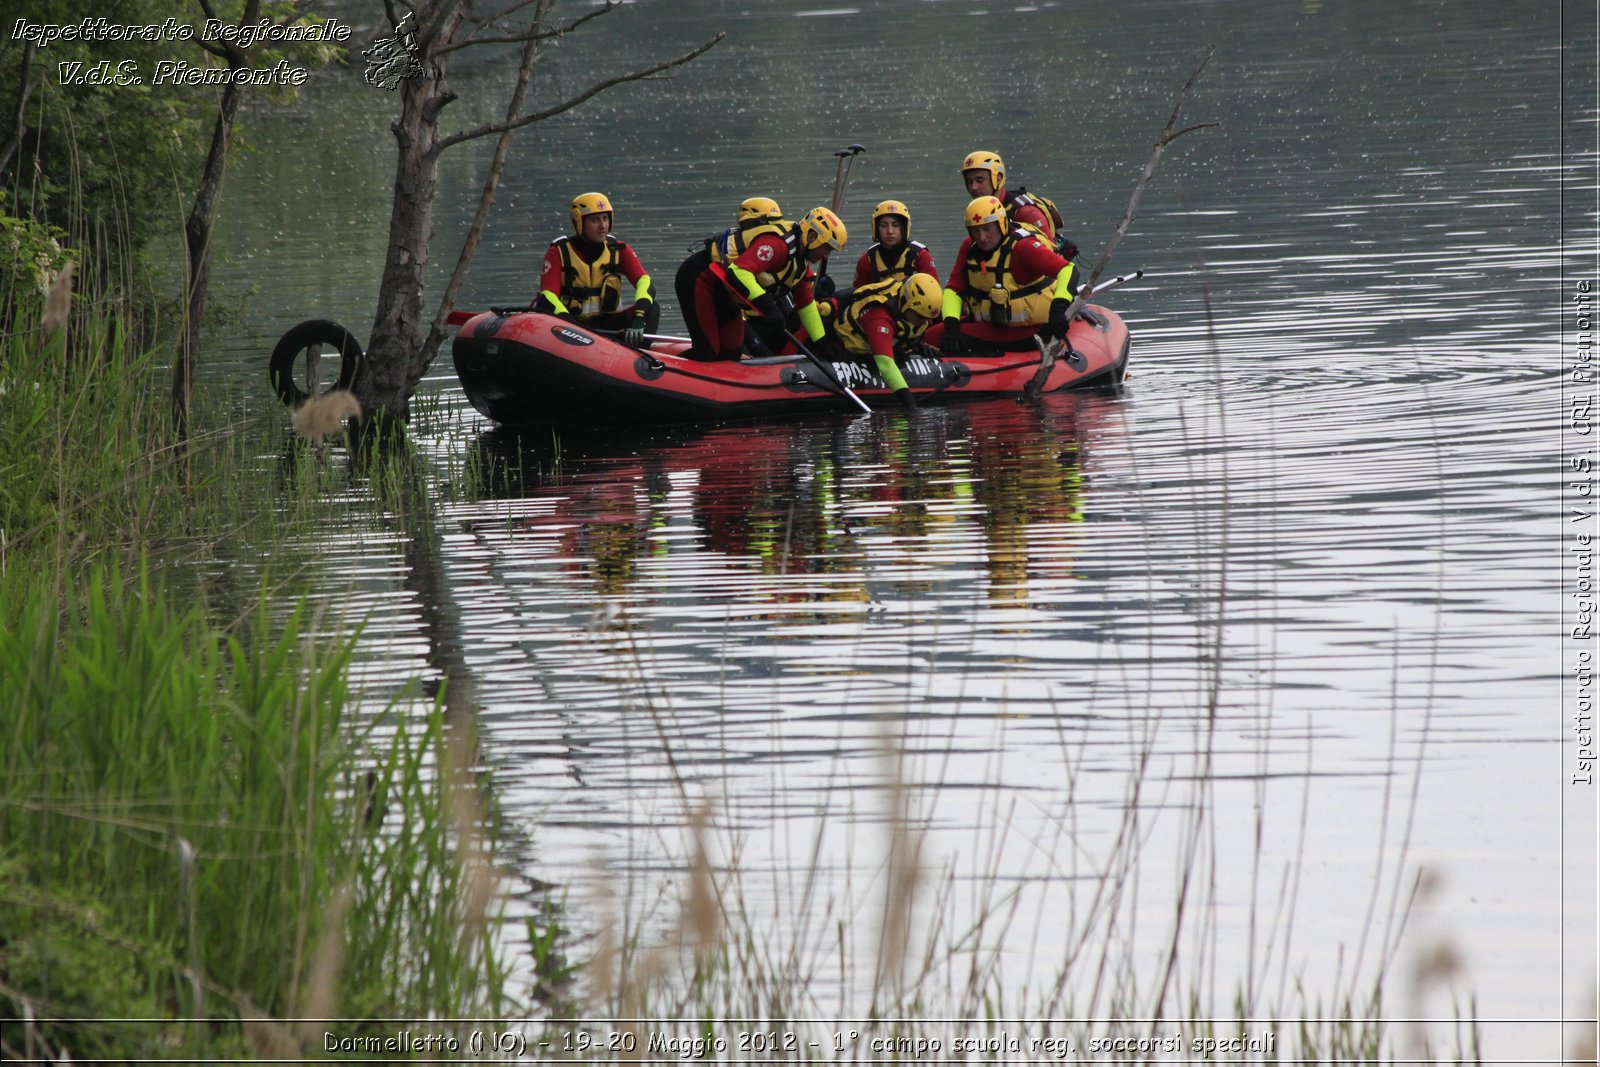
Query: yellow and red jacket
[(571, 282), (1011, 286), (865, 331), (874, 266)]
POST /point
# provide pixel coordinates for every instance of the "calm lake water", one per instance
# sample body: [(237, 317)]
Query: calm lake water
[(1284, 614)]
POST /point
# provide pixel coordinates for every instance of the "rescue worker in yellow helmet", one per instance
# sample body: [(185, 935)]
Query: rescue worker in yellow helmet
[(753, 264), (583, 274), (882, 319), (893, 254), (1006, 288), (984, 174)]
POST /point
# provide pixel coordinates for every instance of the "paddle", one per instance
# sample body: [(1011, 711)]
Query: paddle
[(841, 183), (720, 272), (841, 175)]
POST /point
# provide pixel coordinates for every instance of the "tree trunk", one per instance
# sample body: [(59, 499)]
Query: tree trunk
[(197, 231), (24, 88), (197, 237), (396, 354)]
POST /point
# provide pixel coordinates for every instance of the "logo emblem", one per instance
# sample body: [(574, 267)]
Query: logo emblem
[(764, 253), (391, 60), (572, 337)]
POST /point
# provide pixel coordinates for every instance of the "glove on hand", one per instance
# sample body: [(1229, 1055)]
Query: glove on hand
[(633, 335), (950, 343), (771, 312), (1058, 317), (824, 288)]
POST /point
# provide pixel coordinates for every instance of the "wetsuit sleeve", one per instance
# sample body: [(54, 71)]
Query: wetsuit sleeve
[(635, 273), (958, 274), (549, 298), (951, 306), (766, 254), (925, 263), (878, 327), (863, 271), (1034, 259), (805, 306)]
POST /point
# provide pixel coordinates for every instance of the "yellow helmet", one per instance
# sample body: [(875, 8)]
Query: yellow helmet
[(590, 204), (822, 227), (986, 209), (891, 207), (760, 209), (923, 294), (983, 159)]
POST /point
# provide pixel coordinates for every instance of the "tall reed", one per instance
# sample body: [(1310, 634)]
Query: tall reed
[(200, 819)]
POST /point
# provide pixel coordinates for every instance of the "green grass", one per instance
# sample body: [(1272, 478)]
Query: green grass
[(199, 819)]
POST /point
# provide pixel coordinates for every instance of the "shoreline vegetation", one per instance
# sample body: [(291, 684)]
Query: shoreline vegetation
[(213, 840), (204, 819)]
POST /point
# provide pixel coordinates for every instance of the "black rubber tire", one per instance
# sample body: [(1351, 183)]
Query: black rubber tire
[(286, 354)]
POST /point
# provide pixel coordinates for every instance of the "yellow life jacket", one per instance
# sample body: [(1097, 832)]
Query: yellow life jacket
[(731, 243), (874, 294), (590, 289), (995, 295), (902, 268), (1052, 214)]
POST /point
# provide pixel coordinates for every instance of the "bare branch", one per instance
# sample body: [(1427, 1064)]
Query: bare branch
[(503, 13), (446, 13), (1047, 359), (1191, 129), (218, 50), (491, 183), (1166, 138), (532, 34), (572, 102)]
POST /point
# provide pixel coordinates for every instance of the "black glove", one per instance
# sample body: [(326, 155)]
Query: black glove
[(767, 304), (633, 335), (824, 288), (1058, 317), (907, 401), (950, 343)]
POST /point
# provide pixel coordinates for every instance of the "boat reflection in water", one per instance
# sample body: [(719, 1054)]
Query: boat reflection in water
[(827, 513)]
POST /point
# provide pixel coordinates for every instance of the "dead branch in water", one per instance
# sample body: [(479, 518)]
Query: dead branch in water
[(1168, 134)]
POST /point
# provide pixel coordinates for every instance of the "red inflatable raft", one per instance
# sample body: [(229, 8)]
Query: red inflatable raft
[(521, 367)]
